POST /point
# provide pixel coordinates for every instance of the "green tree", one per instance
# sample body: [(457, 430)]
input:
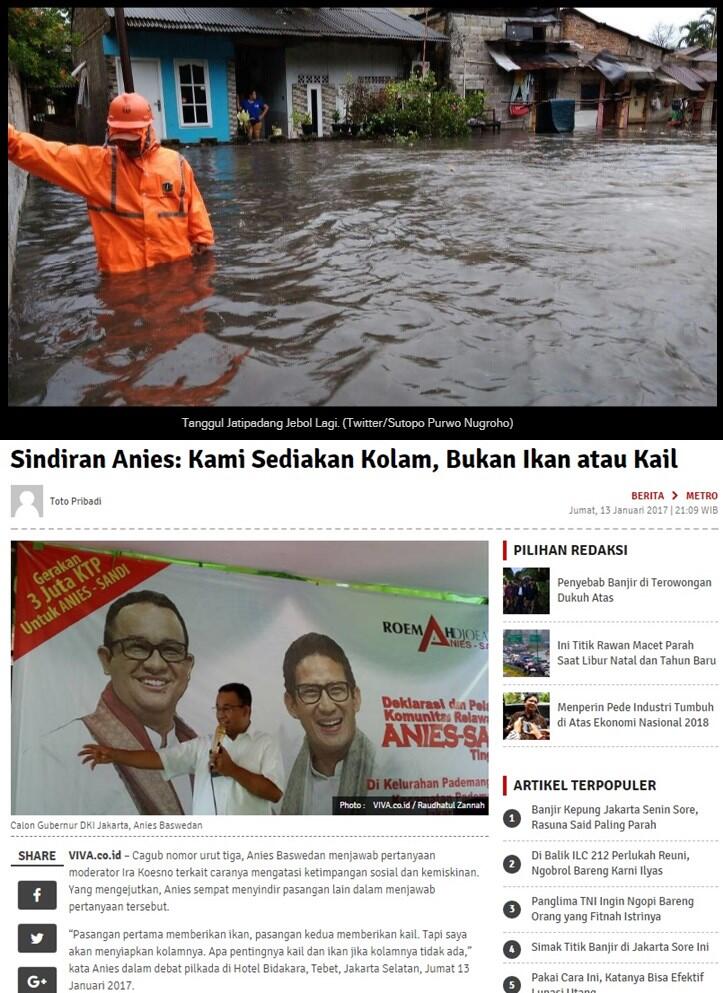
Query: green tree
[(39, 43), (712, 15), (704, 31), (418, 107)]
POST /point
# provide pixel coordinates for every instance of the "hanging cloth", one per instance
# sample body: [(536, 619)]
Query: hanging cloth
[(520, 97)]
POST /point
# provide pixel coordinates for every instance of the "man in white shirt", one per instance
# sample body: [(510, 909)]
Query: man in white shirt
[(145, 655), (336, 758), (238, 771)]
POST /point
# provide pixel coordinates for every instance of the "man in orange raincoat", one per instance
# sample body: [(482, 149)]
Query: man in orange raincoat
[(143, 202)]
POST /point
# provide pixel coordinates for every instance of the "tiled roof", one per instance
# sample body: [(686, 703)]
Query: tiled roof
[(310, 22)]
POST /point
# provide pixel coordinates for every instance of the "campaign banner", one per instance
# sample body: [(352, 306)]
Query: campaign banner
[(387, 707)]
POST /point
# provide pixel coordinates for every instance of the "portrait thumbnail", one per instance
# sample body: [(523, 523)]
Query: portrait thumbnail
[(526, 716)]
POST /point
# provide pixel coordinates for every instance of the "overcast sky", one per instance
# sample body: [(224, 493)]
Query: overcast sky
[(641, 20), (635, 20)]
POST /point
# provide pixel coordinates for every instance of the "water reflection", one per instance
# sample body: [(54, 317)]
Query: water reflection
[(148, 343), (511, 270)]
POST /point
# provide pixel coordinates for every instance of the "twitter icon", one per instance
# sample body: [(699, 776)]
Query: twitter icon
[(37, 938)]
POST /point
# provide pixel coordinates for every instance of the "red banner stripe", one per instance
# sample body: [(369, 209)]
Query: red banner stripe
[(58, 586)]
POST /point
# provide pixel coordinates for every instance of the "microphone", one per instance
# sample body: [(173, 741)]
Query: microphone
[(218, 736)]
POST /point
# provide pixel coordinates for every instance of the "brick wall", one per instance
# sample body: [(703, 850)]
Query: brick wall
[(594, 38), (471, 67), (298, 98), (231, 96), (328, 104)]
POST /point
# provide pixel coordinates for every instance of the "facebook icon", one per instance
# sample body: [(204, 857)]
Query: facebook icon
[(37, 895)]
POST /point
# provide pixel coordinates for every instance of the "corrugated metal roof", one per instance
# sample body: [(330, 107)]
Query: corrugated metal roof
[(548, 61), (211, 18), (634, 70), (564, 59), (665, 80), (710, 55), (684, 76), (311, 22), (502, 60), (708, 75), (546, 19), (530, 64), (530, 61), (690, 51), (615, 69)]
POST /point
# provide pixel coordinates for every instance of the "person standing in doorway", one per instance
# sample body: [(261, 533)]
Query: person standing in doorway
[(257, 111)]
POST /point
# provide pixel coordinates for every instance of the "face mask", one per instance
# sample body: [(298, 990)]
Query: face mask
[(131, 148)]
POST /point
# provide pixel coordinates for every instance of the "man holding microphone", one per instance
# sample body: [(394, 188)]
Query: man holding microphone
[(237, 771)]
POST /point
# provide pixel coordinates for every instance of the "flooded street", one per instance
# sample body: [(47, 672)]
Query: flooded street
[(509, 270)]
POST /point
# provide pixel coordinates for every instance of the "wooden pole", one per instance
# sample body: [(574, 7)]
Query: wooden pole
[(120, 26)]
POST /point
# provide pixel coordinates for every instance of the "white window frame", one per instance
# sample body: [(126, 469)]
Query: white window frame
[(177, 63)]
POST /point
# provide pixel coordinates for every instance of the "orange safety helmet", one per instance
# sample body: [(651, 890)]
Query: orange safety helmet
[(129, 110)]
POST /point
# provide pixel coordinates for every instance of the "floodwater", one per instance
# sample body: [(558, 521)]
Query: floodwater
[(509, 270)]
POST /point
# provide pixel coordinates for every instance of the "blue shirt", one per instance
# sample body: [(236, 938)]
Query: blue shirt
[(254, 108)]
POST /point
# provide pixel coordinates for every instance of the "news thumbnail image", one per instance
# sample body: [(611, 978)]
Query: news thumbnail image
[(525, 590), (526, 652)]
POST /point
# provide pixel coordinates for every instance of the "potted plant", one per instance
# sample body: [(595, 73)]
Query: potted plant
[(336, 126), (303, 122), (243, 119)]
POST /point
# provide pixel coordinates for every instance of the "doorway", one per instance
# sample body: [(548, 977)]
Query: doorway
[(147, 80), (638, 103), (610, 106), (545, 86), (314, 108), (261, 66)]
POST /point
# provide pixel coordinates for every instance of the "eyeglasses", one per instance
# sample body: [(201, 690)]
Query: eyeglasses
[(311, 692), (227, 710), (140, 650)]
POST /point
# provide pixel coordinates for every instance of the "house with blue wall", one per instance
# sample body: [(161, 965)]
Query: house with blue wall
[(193, 64)]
